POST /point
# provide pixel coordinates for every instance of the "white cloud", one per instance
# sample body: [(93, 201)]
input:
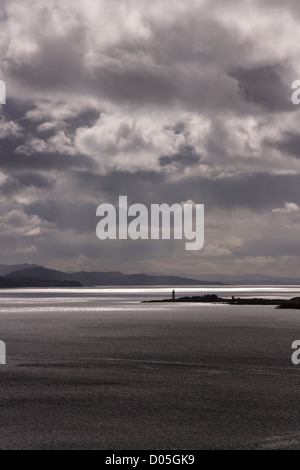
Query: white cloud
[(9, 129), (160, 78), (289, 207), (59, 143), (127, 142)]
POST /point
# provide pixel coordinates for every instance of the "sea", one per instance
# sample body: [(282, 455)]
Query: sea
[(96, 368)]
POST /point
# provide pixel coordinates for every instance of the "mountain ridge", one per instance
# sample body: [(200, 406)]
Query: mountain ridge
[(98, 278), (8, 268), (105, 278), (20, 282)]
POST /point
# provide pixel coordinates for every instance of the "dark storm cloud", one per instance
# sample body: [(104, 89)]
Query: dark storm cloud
[(85, 118), (79, 216), (176, 61), (258, 192), (185, 157), (17, 182), (35, 179), (58, 65), (264, 86), (139, 186), (138, 84), (12, 156), (272, 248), (289, 144), (10, 159), (54, 65), (45, 161), (16, 109), (162, 102)]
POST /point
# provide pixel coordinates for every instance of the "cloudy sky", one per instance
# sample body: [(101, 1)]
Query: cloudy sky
[(160, 101)]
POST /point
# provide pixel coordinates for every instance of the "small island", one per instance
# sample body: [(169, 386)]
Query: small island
[(213, 298)]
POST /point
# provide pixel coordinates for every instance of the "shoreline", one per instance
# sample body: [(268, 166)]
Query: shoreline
[(212, 298)]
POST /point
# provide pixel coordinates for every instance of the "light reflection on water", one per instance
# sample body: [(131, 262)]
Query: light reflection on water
[(154, 289), (109, 299), (112, 292)]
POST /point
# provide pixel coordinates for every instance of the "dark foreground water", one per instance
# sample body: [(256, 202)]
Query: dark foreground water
[(97, 369)]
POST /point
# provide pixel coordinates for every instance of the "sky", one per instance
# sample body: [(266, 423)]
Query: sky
[(165, 102)]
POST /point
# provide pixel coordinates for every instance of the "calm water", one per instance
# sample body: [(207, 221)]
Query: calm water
[(98, 369)]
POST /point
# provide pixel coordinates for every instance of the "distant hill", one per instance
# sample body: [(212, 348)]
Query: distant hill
[(40, 272), (111, 278), (115, 278), (6, 282), (29, 282), (9, 268)]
